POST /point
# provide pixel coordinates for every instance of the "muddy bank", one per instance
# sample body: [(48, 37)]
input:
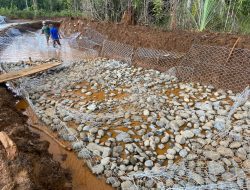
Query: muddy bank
[(33, 168), (143, 36)]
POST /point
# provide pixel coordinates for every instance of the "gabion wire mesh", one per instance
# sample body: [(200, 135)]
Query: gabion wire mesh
[(95, 36), (216, 65), (90, 44), (211, 65), (117, 50), (156, 59), (4, 42)]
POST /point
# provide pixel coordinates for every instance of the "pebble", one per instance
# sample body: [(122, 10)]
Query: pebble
[(188, 134), (92, 107), (235, 145), (215, 168), (183, 153), (225, 151), (246, 164), (161, 157), (97, 169), (180, 139), (122, 136), (211, 155), (149, 163), (105, 161), (146, 112)]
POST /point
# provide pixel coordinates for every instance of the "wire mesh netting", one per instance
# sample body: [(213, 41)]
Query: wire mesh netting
[(95, 36), (117, 50), (2, 19), (217, 66), (156, 59), (4, 42)]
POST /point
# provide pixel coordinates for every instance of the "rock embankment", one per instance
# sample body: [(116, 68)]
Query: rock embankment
[(124, 120)]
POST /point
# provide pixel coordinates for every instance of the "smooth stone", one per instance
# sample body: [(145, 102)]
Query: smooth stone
[(211, 155), (215, 168), (225, 151), (149, 163), (180, 139)]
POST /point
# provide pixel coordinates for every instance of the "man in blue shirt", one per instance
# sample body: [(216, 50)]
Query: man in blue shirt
[(55, 36)]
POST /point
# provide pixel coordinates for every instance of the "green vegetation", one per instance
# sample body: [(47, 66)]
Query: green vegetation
[(199, 15)]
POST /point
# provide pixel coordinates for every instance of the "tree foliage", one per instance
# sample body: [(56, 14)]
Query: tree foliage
[(218, 15)]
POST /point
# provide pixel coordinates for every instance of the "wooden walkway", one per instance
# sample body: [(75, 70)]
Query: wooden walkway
[(25, 72)]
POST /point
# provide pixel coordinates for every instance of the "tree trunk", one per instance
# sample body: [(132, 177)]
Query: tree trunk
[(51, 5), (35, 6), (26, 2), (106, 11), (173, 4)]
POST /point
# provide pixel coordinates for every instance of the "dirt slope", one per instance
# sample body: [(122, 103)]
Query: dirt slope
[(34, 167), (143, 36)]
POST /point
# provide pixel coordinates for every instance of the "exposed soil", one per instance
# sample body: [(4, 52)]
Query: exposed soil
[(33, 168), (144, 36)]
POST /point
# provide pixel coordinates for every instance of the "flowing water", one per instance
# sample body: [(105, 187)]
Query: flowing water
[(33, 45)]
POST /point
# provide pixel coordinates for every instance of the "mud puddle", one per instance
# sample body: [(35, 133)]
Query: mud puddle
[(82, 178)]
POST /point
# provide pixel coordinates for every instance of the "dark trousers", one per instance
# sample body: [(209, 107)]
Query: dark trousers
[(56, 42)]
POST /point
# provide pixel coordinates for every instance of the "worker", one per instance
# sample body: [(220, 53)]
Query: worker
[(46, 31), (54, 33)]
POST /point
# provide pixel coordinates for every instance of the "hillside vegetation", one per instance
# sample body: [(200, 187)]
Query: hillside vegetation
[(199, 15)]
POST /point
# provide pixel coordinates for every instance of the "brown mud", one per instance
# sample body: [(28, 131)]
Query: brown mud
[(149, 37), (82, 178), (33, 168)]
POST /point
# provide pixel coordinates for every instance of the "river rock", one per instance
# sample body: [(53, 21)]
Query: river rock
[(165, 139), (180, 139), (246, 164), (117, 150), (235, 145), (215, 168), (211, 155), (97, 169), (92, 107), (113, 181), (105, 161), (161, 157), (122, 136), (196, 177), (128, 185), (93, 130), (220, 124), (188, 134), (225, 151), (77, 145), (183, 153), (146, 112), (149, 163), (105, 150), (129, 147)]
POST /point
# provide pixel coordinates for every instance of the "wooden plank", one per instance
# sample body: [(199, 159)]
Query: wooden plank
[(25, 72)]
